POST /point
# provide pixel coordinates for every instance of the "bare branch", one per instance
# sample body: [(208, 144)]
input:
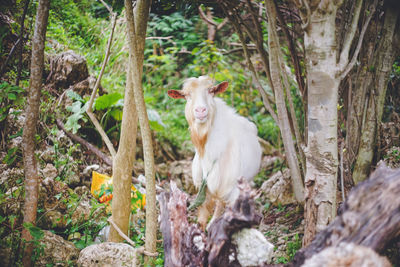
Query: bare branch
[(348, 40), (222, 24), (159, 37), (82, 141), (237, 50), (124, 236), (360, 40), (308, 14), (259, 87), (206, 19), (89, 110), (107, 6)]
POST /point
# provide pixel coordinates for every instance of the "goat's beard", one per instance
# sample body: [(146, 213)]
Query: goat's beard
[(199, 133)]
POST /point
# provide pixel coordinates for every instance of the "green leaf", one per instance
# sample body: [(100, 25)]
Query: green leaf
[(201, 196), (72, 123), (116, 113), (75, 107), (35, 231), (107, 101), (12, 96), (74, 96)]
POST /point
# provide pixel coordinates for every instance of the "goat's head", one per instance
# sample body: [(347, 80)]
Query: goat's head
[(199, 93)]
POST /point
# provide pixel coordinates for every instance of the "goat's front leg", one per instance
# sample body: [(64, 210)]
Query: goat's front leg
[(205, 210)]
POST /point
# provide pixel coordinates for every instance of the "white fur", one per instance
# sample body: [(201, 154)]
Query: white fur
[(232, 151)]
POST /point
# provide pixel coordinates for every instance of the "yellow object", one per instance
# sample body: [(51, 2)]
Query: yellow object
[(99, 179)]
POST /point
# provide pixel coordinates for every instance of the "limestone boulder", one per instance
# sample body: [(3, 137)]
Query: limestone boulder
[(278, 188), (108, 254), (57, 251)]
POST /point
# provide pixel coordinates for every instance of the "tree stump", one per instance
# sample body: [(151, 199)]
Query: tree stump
[(186, 244)]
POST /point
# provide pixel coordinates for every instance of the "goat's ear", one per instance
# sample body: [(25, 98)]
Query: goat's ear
[(220, 88), (175, 94)]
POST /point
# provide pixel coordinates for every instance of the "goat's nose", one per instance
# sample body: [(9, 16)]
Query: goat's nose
[(200, 110)]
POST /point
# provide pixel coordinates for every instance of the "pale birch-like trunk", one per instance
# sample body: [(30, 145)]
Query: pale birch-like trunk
[(275, 58), (136, 45), (322, 151), (379, 70), (31, 119), (136, 25), (123, 163)]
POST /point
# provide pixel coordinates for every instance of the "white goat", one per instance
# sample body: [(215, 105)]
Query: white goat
[(226, 144)]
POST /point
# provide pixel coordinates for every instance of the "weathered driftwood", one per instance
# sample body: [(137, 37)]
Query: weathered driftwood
[(85, 143), (370, 217), (186, 244)]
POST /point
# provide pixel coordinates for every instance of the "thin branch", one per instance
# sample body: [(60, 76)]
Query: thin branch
[(295, 125), (124, 236), (342, 170), (107, 6), (4, 66), (206, 19), (222, 24), (360, 40), (259, 87), (348, 39), (237, 50), (308, 15), (89, 110), (82, 141), (292, 53), (159, 37), (259, 41)]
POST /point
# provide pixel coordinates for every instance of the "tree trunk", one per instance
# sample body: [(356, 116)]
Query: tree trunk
[(377, 80), (137, 37), (284, 126), (123, 163), (134, 106), (31, 118), (321, 152)]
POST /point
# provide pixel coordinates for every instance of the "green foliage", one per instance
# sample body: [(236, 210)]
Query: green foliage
[(182, 30), (293, 246), (10, 95), (37, 234), (78, 110), (62, 157)]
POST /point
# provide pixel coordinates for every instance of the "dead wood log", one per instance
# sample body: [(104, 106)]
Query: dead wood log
[(370, 217), (85, 143), (241, 215), (186, 244)]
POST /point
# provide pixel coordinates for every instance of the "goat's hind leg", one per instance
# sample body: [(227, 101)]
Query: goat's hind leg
[(219, 210), (205, 210)]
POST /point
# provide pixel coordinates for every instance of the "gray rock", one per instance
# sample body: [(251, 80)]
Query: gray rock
[(181, 173), (48, 155), (253, 249), (49, 172), (278, 188), (67, 69), (347, 254), (57, 251), (108, 255)]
